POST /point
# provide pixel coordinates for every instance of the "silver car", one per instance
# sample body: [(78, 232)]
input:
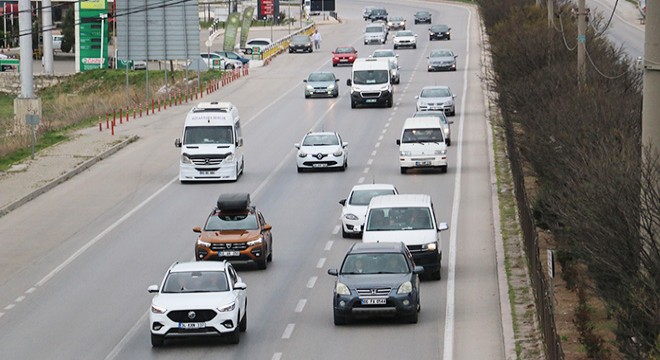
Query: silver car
[(321, 83), (442, 59), (438, 98), (446, 124)]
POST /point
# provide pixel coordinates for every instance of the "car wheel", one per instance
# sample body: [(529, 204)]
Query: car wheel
[(340, 320), (435, 275), (390, 101), (336, 94), (448, 142), (343, 168), (353, 104), (306, 96), (300, 169), (414, 46), (453, 113), (448, 37), (242, 326), (395, 47), (344, 234), (412, 319), (263, 264), (229, 67), (157, 340), (404, 170), (234, 337), (334, 65), (443, 169)]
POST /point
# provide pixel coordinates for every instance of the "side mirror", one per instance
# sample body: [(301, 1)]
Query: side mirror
[(450, 121), (304, 80), (344, 144), (240, 286), (418, 269), (152, 288), (336, 80), (333, 272), (443, 226), (348, 82), (416, 96), (454, 96), (455, 56), (197, 229), (177, 142), (342, 202), (267, 227), (240, 142), (398, 141), (297, 146)]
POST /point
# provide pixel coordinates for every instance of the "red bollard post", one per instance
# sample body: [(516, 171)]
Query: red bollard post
[(170, 98), (159, 105), (121, 115), (113, 127), (134, 113), (114, 116), (100, 124), (128, 113), (107, 120), (152, 106), (140, 106)]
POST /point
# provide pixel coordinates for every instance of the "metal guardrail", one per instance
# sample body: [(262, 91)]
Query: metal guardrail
[(283, 43)]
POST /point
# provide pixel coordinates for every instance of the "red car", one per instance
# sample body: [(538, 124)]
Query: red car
[(344, 55)]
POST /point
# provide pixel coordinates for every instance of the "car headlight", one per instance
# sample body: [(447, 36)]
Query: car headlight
[(227, 308), (256, 241), (430, 246), (158, 309), (185, 159), (351, 217), (203, 243), (405, 153), (441, 152), (302, 154), (393, 72), (229, 158), (385, 88), (405, 288), (331, 87), (309, 87), (342, 289), (338, 153)]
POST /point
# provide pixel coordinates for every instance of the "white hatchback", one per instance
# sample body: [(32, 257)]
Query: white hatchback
[(405, 38), (205, 298), (320, 150), (355, 205)]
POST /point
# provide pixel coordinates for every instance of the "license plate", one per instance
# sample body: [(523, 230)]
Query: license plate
[(422, 163), (207, 172), (228, 253), (343, 60), (319, 165), (199, 325), (371, 100), (374, 301)]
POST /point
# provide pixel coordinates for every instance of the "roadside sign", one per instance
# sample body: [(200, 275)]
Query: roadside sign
[(32, 119)]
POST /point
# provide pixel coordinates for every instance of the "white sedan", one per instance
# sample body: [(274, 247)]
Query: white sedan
[(405, 38), (354, 208), (199, 298), (320, 150)]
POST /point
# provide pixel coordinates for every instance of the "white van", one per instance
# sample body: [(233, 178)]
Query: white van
[(211, 144), (375, 33), (422, 144), (371, 83), (408, 218)]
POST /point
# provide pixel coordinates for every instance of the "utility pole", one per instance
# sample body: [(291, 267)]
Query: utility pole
[(25, 41), (651, 91), (581, 42), (47, 25)]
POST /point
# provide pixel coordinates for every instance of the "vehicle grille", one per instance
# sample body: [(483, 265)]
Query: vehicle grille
[(370, 94), (208, 160), (415, 248), (374, 292), (328, 163), (200, 316), (236, 246)]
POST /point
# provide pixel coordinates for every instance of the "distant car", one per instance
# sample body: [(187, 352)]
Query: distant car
[(386, 53), (395, 75), (378, 14), (259, 44), (376, 279), (446, 124), (442, 59), (215, 60), (321, 150), (422, 17), (436, 97), (321, 83), (198, 299), (439, 32), (301, 43), (235, 231), (139, 65), (344, 55), (375, 33), (366, 12), (354, 207), (405, 38), (57, 42), (234, 56), (396, 23)]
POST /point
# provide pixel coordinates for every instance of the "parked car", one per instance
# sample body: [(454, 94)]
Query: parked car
[(198, 299), (57, 42), (215, 60), (301, 43), (354, 207), (446, 124), (422, 17), (396, 23), (321, 83), (439, 32), (375, 280), (234, 56), (321, 150), (259, 44), (442, 59), (438, 98), (344, 55), (405, 38)]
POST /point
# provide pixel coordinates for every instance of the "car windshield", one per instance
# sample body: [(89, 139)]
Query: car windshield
[(363, 197), (401, 218), (435, 93), (370, 77), (396, 18), (441, 53), (195, 282), (421, 136), (385, 263), (384, 53), (422, 13), (300, 39), (404, 33), (208, 135), (439, 28), (344, 50), (374, 29), (222, 221), (321, 77), (320, 140)]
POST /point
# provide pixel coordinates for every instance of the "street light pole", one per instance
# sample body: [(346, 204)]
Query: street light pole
[(103, 17)]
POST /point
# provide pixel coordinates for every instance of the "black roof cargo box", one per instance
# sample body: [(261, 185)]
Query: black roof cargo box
[(235, 201)]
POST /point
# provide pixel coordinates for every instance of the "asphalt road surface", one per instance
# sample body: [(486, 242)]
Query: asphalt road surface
[(86, 251)]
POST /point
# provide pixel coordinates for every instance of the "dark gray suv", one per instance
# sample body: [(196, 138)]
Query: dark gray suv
[(376, 279)]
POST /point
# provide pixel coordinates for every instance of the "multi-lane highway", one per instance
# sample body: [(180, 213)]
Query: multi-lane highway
[(85, 252)]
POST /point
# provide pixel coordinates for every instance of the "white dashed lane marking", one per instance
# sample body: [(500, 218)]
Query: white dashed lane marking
[(361, 180), (277, 356), (311, 282), (301, 305), (335, 231), (370, 161), (366, 170), (320, 263), (328, 245), (288, 331)]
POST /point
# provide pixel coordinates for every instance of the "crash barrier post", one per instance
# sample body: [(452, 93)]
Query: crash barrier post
[(121, 115), (100, 124)]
